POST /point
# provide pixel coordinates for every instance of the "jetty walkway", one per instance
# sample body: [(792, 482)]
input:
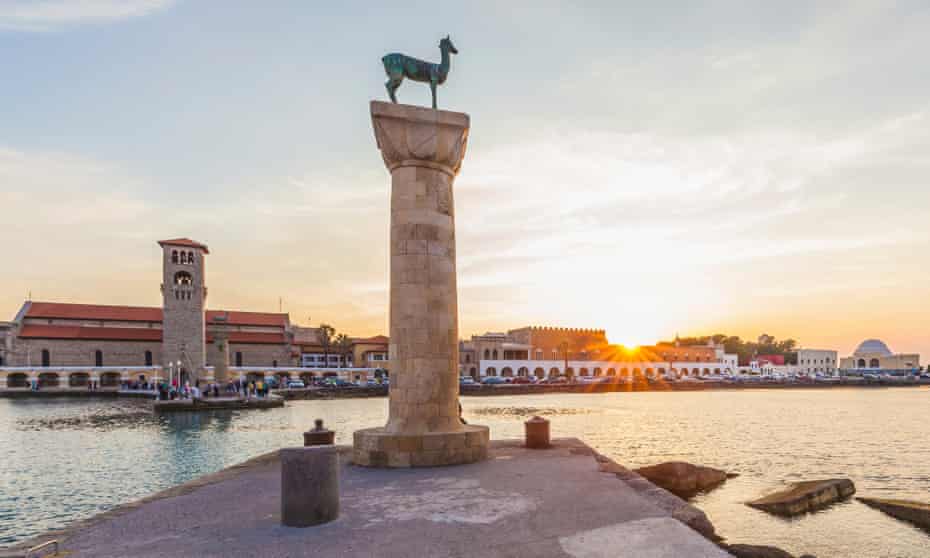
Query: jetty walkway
[(565, 501)]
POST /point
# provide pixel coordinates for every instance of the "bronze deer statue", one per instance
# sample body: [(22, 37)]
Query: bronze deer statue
[(399, 66)]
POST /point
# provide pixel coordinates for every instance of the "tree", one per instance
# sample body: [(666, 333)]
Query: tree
[(344, 346), (325, 335)]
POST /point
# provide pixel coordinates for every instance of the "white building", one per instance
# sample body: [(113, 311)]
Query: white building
[(817, 361)]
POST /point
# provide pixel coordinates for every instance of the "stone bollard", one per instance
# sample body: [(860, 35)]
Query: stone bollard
[(319, 436), (537, 433), (309, 485)]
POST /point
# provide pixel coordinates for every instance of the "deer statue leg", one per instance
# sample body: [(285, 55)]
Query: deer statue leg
[(432, 87), (391, 85)]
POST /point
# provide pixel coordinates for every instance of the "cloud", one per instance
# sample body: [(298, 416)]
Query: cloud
[(65, 190), (50, 15)]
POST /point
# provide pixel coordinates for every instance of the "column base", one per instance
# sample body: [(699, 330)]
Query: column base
[(375, 447)]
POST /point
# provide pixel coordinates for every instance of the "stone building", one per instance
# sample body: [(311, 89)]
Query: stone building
[(817, 361), (873, 355), (184, 298), (70, 344), (543, 352)]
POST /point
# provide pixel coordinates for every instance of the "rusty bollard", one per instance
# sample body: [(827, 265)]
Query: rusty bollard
[(537, 433), (319, 436)]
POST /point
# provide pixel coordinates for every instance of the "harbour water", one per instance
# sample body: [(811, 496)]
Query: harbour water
[(67, 459)]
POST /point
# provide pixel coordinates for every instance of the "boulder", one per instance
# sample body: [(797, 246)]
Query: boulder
[(803, 497), (683, 479), (917, 513)]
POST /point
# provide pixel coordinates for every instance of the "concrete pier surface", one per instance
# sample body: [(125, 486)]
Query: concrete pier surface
[(563, 502)]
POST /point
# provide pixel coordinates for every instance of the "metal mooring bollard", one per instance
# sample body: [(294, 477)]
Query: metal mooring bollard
[(537, 433), (309, 485), (319, 436)]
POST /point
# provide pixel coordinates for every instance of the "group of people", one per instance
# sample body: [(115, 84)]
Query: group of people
[(249, 389), (168, 391), (140, 384)]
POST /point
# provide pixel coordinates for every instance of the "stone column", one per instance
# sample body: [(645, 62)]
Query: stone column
[(423, 149), (221, 366)]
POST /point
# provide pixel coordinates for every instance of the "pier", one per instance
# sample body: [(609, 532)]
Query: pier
[(575, 502)]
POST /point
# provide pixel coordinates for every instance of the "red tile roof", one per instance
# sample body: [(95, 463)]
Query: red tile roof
[(89, 333), (93, 312), (376, 340), (252, 338), (68, 311), (186, 242), (136, 334), (248, 318)]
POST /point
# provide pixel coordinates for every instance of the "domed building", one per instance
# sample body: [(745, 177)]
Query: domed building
[(873, 355)]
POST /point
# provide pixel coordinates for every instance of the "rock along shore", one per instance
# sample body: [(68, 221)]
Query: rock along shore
[(917, 513), (803, 497)]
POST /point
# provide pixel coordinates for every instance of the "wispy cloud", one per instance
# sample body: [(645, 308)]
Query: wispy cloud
[(50, 15)]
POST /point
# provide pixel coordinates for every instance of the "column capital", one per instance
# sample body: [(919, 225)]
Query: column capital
[(410, 136)]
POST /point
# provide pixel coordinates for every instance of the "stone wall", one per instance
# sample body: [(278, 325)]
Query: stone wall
[(76, 352), (582, 343), (254, 355), (69, 352)]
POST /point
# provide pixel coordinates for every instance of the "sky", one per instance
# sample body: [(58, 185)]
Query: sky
[(647, 168)]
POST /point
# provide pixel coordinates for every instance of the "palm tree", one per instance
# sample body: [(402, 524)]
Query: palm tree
[(325, 335), (344, 345)]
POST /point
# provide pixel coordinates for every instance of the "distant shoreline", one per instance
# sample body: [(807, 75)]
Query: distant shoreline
[(479, 390)]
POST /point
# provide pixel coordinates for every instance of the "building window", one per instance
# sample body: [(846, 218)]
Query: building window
[(174, 256), (274, 364), (238, 358), (467, 358), (183, 278), (487, 354), (98, 358), (494, 354), (148, 358), (874, 363), (46, 358)]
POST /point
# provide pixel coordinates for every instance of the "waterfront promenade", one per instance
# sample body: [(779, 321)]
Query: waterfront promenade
[(499, 389), (567, 501)]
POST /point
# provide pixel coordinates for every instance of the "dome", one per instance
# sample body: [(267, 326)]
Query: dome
[(871, 346)]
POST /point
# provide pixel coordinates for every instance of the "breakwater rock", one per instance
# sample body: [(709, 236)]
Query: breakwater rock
[(803, 497), (683, 479), (917, 513)]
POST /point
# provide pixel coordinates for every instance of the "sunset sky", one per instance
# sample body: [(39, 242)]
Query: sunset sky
[(736, 167)]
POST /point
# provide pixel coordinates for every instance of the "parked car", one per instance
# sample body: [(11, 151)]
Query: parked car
[(521, 380), (493, 380), (296, 384), (556, 380), (466, 381), (338, 382)]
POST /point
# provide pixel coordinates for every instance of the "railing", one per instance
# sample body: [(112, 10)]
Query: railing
[(35, 551)]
